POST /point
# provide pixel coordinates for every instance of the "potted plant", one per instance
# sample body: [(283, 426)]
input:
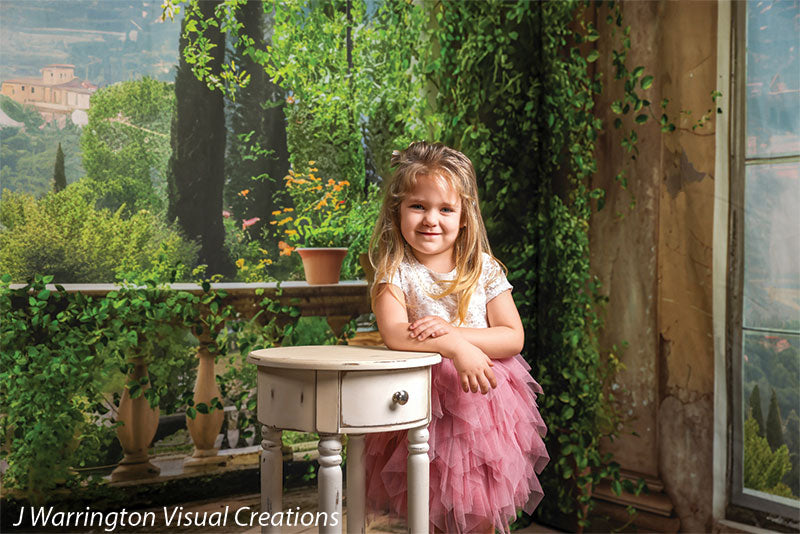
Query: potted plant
[(317, 224)]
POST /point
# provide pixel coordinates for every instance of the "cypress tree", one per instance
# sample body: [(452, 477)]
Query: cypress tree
[(197, 165), (774, 423), (792, 436), (755, 409), (59, 175)]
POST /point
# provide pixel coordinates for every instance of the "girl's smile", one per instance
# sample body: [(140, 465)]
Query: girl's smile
[(430, 220)]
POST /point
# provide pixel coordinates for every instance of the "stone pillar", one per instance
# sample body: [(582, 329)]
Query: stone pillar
[(139, 424), (205, 428)]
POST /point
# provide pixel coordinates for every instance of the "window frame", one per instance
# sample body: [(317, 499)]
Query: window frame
[(741, 501)]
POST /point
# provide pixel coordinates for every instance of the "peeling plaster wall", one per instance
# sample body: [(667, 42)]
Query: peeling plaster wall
[(655, 259)]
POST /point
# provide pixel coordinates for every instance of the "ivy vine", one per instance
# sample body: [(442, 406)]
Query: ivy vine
[(58, 350)]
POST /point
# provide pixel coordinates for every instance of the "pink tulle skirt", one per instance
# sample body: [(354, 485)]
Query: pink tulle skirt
[(485, 452)]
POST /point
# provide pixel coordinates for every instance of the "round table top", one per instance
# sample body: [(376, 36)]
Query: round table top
[(341, 358)]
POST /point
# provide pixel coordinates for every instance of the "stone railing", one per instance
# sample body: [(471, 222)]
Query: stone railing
[(338, 303)]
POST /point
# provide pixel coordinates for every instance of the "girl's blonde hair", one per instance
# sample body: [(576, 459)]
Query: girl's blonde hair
[(388, 247)]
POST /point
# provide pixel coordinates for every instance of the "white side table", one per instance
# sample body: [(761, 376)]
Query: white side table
[(335, 390)]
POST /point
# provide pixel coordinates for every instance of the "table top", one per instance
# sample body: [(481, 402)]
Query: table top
[(341, 358)]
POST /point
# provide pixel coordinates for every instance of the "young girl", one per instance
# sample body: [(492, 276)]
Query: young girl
[(439, 289)]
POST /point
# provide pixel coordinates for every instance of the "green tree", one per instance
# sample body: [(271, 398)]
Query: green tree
[(755, 409), (59, 176), (764, 468), (792, 436), (257, 157), (774, 423), (64, 235), (197, 164), (126, 144), (28, 153)]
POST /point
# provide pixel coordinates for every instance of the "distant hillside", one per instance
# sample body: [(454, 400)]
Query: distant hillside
[(107, 41)]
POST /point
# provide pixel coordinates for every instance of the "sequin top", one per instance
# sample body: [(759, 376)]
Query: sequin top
[(418, 283)]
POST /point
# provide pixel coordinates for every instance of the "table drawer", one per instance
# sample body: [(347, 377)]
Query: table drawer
[(367, 397)]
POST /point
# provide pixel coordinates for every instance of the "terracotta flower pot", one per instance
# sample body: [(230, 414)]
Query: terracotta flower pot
[(322, 265)]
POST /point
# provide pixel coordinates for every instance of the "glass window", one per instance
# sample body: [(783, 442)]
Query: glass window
[(773, 78), (766, 197)]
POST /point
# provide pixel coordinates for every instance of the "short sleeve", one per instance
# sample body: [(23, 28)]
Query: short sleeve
[(494, 279), (396, 279)]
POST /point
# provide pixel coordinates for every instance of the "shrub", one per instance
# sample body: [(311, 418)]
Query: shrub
[(64, 235)]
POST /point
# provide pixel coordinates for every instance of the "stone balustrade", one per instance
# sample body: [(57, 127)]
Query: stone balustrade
[(338, 303)]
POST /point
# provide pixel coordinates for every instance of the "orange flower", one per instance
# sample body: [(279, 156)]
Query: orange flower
[(286, 249), (286, 210), (244, 192), (344, 182), (331, 181), (284, 221), (276, 212)]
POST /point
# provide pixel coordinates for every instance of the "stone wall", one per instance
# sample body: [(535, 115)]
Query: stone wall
[(655, 258)]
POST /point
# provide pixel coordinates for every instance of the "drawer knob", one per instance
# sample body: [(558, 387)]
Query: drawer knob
[(400, 397)]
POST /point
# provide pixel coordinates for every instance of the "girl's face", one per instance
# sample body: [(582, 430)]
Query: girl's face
[(430, 220)]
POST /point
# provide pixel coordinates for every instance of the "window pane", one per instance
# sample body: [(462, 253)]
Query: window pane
[(772, 246), (772, 364), (773, 78)]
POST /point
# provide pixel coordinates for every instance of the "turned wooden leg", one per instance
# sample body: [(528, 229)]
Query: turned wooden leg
[(205, 428), (356, 485), (330, 483), (418, 480), (139, 424), (271, 475)]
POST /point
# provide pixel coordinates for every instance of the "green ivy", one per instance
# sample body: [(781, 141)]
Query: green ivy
[(58, 350), (514, 91)]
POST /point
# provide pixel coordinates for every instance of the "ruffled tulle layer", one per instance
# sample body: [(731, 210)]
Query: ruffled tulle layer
[(485, 452)]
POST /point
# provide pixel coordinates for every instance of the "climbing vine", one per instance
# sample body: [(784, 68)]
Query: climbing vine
[(58, 350)]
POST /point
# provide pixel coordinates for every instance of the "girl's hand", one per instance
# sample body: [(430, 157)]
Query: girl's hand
[(430, 326), (474, 369)]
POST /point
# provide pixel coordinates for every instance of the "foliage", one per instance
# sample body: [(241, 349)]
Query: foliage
[(28, 153), (126, 144), (763, 467), (755, 409), (50, 376), (792, 435), (774, 429), (257, 155), (348, 73), (318, 215), (58, 349), (63, 234), (773, 363), (196, 176), (59, 176)]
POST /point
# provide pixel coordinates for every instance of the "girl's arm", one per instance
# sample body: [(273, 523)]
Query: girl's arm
[(503, 339), (473, 365)]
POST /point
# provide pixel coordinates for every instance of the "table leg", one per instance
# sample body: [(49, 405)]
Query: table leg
[(271, 476), (330, 483), (418, 480), (356, 485)]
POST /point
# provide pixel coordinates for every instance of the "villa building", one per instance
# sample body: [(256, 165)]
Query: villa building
[(57, 94)]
